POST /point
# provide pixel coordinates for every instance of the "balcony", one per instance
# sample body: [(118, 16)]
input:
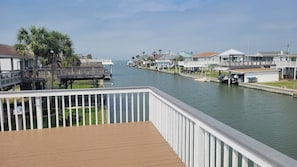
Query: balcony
[(120, 127), (9, 78)]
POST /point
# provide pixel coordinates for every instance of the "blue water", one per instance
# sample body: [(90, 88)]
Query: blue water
[(267, 117)]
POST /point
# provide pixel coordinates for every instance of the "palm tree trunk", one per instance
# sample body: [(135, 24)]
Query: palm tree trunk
[(33, 85)]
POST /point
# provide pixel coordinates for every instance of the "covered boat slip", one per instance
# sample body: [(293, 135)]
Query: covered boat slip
[(127, 144)]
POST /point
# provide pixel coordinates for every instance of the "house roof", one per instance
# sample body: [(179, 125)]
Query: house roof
[(231, 52), (167, 57), (185, 54), (8, 51), (269, 53), (205, 54)]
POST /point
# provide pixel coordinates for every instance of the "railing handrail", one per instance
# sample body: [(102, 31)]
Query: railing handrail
[(85, 91), (252, 147)]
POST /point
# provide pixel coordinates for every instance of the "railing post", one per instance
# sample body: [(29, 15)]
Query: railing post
[(39, 116), (199, 147), (1, 116)]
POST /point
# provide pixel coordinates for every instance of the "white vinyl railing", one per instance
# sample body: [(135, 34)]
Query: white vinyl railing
[(197, 139)]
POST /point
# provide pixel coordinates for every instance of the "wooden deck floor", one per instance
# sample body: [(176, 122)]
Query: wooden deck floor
[(131, 144)]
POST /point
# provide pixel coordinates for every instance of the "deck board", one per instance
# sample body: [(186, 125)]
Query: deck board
[(130, 144)]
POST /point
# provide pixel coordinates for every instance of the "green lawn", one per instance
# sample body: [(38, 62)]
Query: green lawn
[(67, 118), (77, 84), (290, 84)]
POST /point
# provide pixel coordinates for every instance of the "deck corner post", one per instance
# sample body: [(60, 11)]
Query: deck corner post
[(1, 116), (39, 116), (200, 151)]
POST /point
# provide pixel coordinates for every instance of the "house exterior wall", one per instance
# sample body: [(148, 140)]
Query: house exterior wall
[(268, 76), (5, 64)]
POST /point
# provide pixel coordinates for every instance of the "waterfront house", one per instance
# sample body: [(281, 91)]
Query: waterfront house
[(231, 57), (282, 61), (107, 63), (166, 61), (251, 75), (287, 64), (13, 67)]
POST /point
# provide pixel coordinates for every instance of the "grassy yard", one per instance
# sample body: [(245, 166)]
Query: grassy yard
[(67, 118), (77, 84), (290, 84)]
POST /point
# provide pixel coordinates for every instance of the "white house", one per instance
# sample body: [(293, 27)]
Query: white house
[(231, 57), (256, 74)]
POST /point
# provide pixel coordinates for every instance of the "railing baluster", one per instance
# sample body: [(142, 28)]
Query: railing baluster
[(218, 152), (8, 114), (83, 110), (143, 107), (138, 108), (108, 108), (226, 155), (132, 107), (121, 109), (212, 151), (76, 110), (63, 111), (49, 124), (102, 109), (206, 147), (180, 135), (183, 139), (90, 109), (57, 111), (15, 113), (70, 109), (187, 140), (234, 158), (1, 116), (127, 107), (191, 145), (39, 116), (96, 108), (24, 114), (31, 113), (114, 109), (244, 161)]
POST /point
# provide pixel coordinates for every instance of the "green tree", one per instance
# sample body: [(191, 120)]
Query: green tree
[(51, 46), (59, 46), (160, 51), (89, 56), (71, 61), (33, 39)]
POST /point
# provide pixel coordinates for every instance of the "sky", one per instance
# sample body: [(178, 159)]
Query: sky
[(121, 29)]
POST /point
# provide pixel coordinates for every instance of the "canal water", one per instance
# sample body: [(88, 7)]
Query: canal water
[(267, 117)]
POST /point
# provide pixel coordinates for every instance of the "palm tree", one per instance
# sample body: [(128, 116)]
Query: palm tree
[(71, 61), (160, 51), (49, 45), (60, 46), (21, 50), (33, 39)]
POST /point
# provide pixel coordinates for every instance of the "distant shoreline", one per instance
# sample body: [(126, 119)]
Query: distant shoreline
[(272, 89)]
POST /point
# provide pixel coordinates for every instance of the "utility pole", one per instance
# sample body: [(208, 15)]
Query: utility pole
[(288, 48)]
